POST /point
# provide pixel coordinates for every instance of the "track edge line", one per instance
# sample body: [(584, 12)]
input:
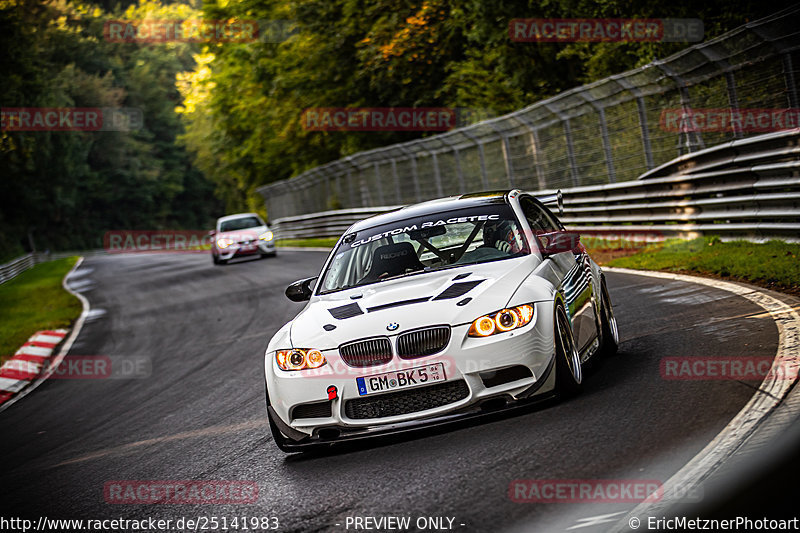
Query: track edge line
[(746, 422)]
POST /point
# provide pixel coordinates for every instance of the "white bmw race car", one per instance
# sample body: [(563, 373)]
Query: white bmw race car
[(433, 312)]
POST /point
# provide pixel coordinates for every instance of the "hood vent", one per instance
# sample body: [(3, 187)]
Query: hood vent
[(346, 311), (398, 304), (458, 289)]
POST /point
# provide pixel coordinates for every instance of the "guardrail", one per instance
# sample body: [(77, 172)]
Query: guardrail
[(748, 189), (17, 266), (609, 131)]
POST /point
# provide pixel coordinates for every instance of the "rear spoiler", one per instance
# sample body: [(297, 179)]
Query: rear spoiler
[(553, 199)]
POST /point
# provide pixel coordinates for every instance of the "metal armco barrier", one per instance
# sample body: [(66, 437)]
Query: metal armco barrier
[(748, 189), (17, 266), (608, 132)]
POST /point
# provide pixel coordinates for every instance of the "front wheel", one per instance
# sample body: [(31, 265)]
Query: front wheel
[(569, 374), (609, 334)]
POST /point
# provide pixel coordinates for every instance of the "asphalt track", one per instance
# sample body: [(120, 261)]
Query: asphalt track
[(200, 413)]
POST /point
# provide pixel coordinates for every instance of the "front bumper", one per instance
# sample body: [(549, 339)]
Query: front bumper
[(541, 391), (243, 250), (469, 360)]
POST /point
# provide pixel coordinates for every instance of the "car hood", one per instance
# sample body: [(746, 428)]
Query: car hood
[(411, 302), (243, 234)]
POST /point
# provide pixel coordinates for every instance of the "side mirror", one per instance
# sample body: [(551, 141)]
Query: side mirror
[(300, 290), (559, 241)]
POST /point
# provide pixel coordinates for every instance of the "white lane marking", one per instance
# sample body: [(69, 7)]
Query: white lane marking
[(769, 394), (595, 520), (76, 329), (52, 339), (20, 365), (34, 350), (12, 385)]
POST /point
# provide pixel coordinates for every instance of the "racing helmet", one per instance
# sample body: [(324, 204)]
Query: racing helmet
[(503, 235)]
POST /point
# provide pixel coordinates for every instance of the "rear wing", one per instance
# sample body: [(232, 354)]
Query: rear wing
[(556, 199)]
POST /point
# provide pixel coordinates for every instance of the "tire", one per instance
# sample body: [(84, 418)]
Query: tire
[(214, 259), (569, 373), (609, 333)]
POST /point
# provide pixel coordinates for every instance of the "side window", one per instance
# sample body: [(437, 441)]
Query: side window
[(539, 220)]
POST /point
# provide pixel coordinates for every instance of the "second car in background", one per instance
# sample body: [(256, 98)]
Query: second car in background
[(239, 235)]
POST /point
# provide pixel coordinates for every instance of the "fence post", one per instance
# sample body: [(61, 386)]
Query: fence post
[(327, 192), (643, 123), (733, 103), (693, 139), (573, 165), (397, 194), (534, 146), (791, 87), (481, 157), (612, 173), (412, 158), (378, 183), (437, 175), (350, 192), (460, 173)]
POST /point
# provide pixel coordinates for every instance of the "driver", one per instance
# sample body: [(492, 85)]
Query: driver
[(502, 235)]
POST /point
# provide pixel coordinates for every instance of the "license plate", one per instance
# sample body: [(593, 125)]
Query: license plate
[(401, 379)]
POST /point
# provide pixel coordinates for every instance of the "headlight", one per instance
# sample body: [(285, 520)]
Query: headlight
[(266, 236), (224, 242), (299, 359), (502, 321)]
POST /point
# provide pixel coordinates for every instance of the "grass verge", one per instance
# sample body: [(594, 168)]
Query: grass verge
[(33, 301), (314, 242), (773, 265)]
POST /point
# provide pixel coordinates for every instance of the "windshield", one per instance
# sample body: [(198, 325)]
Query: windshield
[(422, 244), (235, 224)]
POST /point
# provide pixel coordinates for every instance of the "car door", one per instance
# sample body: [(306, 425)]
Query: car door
[(568, 269)]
